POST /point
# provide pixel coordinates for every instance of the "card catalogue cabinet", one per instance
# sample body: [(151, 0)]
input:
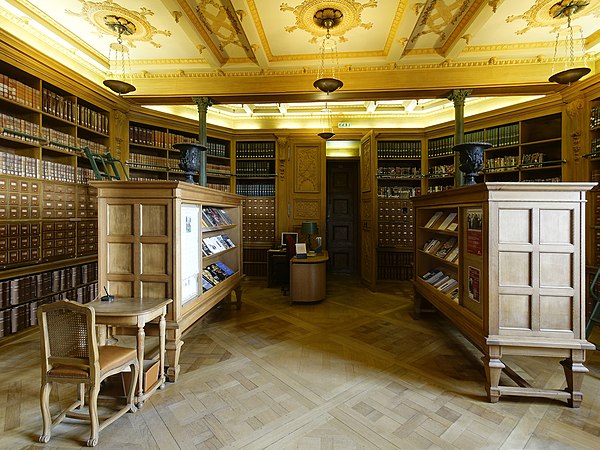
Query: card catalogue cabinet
[(150, 245), (509, 273)]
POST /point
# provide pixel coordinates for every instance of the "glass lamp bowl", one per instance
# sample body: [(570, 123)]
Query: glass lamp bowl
[(570, 75), (119, 87), (328, 85), (326, 135)]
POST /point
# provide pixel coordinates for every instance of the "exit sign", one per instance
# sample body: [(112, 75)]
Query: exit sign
[(343, 124)]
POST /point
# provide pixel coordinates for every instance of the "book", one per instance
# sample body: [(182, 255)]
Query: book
[(453, 226), (441, 280), (436, 216), (429, 274), (446, 247), (436, 277), (447, 221), (431, 245), (452, 255), (449, 285)]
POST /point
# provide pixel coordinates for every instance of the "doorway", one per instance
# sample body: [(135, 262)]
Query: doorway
[(342, 215)]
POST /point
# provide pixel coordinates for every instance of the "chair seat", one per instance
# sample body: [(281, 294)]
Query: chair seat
[(111, 356)]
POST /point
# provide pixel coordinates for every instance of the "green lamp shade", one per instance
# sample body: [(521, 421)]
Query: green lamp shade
[(309, 228)]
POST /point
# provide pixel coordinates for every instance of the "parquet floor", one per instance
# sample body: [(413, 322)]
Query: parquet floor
[(353, 372)]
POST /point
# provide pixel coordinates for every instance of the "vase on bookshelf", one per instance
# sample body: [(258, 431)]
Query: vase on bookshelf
[(189, 159), (471, 159)]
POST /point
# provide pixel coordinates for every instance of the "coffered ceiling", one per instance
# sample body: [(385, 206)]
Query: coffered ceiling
[(262, 56)]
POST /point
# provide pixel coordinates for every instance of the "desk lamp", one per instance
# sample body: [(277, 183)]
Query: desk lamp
[(309, 228)]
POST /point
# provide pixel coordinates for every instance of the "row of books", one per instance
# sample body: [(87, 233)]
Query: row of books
[(401, 192), (441, 220), (57, 172), (23, 289), (446, 249), (216, 244), (501, 163), (147, 160), (19, 92), (255, 150), (257, 168), (399, 149), (218, 186), (595, 117), (215, 217), (24, 316), (399, 172), (595, 145), (221, 169), (215, 274), (256, 190), (443, 282), (441, 170), (440, 146), (94, 120), (18, 128), (53, 137), (439, 188)]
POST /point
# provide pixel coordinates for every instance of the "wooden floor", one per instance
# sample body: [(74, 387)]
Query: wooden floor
[(355, 371)]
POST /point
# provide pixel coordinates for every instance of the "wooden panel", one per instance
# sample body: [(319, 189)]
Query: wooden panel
[(557, 313), (556, 226), (515, 311), (556, 270), (120, 288), (154, 290), (514, 269), (119, 258), (154, 220), (120, 220), (154, 258), (307, 169), (512, 234)]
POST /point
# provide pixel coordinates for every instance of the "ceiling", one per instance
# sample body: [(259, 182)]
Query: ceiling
[(258, 59)]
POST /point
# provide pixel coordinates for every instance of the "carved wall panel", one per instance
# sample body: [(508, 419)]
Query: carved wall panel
[(365, 164), (307, 209), (307, 168)]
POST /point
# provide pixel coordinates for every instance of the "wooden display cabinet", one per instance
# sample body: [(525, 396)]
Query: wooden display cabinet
[(150, 245), (520, 275)]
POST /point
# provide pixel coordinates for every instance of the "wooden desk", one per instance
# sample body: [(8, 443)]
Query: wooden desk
[(308, 278), (137, 312)]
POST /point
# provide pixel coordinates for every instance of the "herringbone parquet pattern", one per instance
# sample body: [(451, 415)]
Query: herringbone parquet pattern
[(353, 372)]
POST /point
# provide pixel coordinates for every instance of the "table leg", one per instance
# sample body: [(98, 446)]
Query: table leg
[(162, 326), (141, 336)]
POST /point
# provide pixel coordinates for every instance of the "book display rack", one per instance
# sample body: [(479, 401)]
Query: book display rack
[(517, 284), (164, 224)]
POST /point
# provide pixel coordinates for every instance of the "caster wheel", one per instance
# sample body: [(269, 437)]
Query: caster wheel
[(132, 408), (162, 386), (92, 442), (44, 438)]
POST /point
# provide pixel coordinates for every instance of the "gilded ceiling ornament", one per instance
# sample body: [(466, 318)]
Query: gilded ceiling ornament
[(223, 23), (539, 15), (95, 12), (306, 10)]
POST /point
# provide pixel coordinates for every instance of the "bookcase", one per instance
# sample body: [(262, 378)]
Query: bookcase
[(440, 160), (48, 224), (255, 179), (152, 156), (517, 285), (151, 236), (399, 178)]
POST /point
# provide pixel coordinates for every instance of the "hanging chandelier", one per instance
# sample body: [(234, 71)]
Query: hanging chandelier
[(121, 26), (567, 8), (326, 81), (327, 132)]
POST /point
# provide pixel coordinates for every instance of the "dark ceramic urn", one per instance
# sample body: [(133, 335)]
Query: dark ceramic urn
[(471, 159), (189, 159)]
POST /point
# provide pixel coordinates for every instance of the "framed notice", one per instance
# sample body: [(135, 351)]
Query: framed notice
[(474, 231), (190, 252), (473, 278)]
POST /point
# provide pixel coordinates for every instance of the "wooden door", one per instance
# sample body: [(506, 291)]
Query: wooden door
[(342, 215)]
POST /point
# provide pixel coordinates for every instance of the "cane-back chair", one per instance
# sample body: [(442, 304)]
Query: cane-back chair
[(70, 354)]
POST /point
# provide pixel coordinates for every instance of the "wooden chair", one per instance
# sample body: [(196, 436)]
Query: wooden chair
[(70, 354)]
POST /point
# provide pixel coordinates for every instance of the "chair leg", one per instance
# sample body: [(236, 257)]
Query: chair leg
[(131, 394), (45, 407), (93, 407), (82, 395)]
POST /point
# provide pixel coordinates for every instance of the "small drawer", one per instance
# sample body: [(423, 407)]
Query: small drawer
[(13, 257), (13, 199), (34, 212), (13, 186)]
